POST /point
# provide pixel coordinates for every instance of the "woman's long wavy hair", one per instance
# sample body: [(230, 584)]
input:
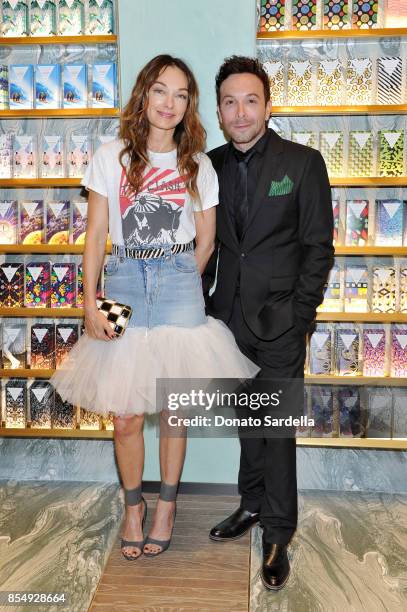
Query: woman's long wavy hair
[(189, 135)]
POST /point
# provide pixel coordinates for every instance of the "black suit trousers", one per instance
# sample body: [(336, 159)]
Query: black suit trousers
[(267, 474)]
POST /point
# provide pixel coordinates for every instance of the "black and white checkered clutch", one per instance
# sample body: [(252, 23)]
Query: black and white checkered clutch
[(118, 315)]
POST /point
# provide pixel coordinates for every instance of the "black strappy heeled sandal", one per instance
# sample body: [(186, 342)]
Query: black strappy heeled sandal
[(167, 493), (133, 497)]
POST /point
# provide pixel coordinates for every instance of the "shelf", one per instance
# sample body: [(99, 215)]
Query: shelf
[(371, 109), (40, 182), (367, 317), (103, 434), (27, 373), (60, 112), (384, 443), (366, 381), (57, 40), (345, 33), (22, 249), (60, 313), (369, 181), (370, 250)]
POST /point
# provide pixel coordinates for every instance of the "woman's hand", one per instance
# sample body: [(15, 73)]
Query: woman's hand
[(97, 326)]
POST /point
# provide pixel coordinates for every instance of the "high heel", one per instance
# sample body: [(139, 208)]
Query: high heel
[(133, 497), (167, 493)]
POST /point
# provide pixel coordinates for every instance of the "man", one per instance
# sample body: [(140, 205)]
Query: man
[(266, 279)]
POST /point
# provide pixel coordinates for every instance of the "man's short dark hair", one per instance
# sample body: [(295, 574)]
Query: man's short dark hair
[(239, 64)]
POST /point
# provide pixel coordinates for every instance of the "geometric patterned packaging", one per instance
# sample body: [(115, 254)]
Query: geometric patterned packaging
[(336, 211), (275, 72), (66, 336), (71, 17), (43, 346), (57, 227), (4, 98), (62, 414), (389, 80), (322, 411), (79, 287), (12, 285), (391, 152), (15, 403), (336, 14), (300, 83), (272, 15), (305, 15), (347, 351), (403, 289), (333, 301), (101, 17), (384, 289), (330, 82), (380, 404), (79, 155), (31, 221), (63, 285), (104, 79), (24, 157), (399, 413), (356, 286), (364, 13), (8, 221), (331, 147), (37, 285), (320, 361), (43, 18), (398, 351), (350, 424), (52, 158), (374, 350), (359, 83), (305, 138), (14, 346), (389, 222), (41, 394), (6, 156), (89, 420), (79, 221), (360, 154), (357, 219), (14, 18)]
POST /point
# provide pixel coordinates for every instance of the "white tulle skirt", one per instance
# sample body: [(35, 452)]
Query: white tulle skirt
[(119, 376)]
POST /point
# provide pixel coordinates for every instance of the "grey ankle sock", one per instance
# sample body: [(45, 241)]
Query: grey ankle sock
[(132, 497), (168, 492)]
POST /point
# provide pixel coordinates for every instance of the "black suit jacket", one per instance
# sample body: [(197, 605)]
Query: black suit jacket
[(286, 249)]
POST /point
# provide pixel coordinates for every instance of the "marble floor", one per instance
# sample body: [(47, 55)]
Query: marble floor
[(348, 555), (56, 537)]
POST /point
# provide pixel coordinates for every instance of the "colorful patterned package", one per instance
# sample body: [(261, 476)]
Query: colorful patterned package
[(63, 285), (12, 285), (43, 346), (37, 285)]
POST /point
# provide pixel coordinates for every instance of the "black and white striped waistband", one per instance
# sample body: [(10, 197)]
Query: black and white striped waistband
[(152, 253)]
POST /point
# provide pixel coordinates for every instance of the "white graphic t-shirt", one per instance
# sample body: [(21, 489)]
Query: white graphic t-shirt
[(163, 211)]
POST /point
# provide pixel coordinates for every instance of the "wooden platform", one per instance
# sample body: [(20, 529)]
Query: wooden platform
[(194, 574)]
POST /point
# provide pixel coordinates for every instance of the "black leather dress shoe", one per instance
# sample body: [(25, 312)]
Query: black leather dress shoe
[(235, 526), (276, 567)]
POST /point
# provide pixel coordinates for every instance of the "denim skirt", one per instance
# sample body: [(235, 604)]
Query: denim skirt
[(168, 337)]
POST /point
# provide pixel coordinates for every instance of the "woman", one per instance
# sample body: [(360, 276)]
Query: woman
[(156, 192)]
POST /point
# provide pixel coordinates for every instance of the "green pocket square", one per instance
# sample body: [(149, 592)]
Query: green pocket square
[(283, 187)]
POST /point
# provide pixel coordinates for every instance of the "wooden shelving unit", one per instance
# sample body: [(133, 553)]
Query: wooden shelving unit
[(49, 249), (29, 41), (367, 317), (371, 109), (103, 434), (369, 181), (372, 250), (34, 313), (40, 182), (64, 113), (334, 34)]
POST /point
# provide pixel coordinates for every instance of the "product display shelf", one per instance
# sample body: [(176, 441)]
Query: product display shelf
[(333, 34), (44, 248), (342, 250), (370, 109), (29, 41), (104, 434), (63, 113), (40, 182), (368, 181), (62, 249)]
